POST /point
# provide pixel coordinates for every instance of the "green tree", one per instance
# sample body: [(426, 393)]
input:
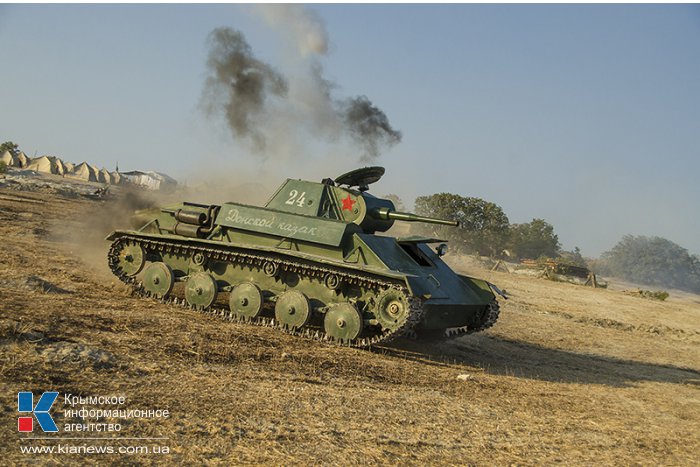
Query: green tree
[(483, 226), (533, 240), (9, 146), (653, 261)]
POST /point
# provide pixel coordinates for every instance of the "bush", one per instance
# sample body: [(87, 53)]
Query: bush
[(660, 295), (653, 261)]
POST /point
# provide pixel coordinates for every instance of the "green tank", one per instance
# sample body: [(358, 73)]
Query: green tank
[(311, 262)]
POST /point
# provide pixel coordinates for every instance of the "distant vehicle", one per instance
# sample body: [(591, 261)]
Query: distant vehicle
[(309, 262)]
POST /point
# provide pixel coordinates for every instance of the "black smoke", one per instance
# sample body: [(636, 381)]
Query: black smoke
[(262, 107), (240, 85), (368, 126)]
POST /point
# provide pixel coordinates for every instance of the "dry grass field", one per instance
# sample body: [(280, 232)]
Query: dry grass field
[(569, 375)]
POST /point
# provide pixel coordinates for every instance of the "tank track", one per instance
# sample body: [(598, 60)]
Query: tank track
[(491, 317), (250, 259)]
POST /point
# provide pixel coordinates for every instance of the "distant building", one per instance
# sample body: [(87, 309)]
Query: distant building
[(150, 180)]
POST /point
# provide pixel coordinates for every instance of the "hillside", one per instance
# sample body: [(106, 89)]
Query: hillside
[(568, 375)]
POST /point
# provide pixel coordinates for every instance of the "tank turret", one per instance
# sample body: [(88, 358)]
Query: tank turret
[(346, 198)]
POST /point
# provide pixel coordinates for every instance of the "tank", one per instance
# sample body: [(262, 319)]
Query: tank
[(313, 262)]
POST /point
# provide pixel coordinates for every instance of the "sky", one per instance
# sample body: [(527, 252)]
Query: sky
[(587, 116)]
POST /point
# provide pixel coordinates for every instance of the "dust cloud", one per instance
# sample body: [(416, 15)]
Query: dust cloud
[(83, 234), (244, 186)]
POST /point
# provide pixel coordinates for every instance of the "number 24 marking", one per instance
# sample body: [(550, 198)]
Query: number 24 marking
[(296, 198)]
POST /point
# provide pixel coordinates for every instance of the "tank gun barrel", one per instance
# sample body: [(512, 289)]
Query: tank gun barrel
[(388, 214)]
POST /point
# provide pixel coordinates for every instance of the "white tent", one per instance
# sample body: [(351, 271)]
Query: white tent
[(8, 159), (22, 160), (68, 167), (94, 172), (57, 166), (40, 164), (84, 172), (116, 178), (103, 176)]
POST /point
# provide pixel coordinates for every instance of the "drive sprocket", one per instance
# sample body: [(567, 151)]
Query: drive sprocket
[(392, 309)]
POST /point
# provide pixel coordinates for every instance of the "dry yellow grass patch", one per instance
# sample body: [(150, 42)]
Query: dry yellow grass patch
[(568, 375)]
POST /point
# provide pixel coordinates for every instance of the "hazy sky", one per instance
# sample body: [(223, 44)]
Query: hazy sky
[(585, 115)]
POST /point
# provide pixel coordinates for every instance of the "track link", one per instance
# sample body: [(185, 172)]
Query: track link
[(238, 256), (490, 318)]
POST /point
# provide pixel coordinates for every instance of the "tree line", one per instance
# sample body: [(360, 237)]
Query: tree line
[(653, 261), (484, 228), (486, 231)]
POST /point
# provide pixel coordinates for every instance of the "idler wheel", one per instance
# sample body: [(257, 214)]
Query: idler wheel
[(343, 322), (292, 309), (246, 300), (131, 259), (158, 279), (392, 309), (200, 290)]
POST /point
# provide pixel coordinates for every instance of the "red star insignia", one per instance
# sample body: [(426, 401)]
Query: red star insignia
[(347, 203)]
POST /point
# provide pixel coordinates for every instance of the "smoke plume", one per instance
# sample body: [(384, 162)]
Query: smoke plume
[(300, 25), (368, 126), (238, 84), (274, 112)]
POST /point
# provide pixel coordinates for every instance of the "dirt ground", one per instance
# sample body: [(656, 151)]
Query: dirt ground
[(568, 375)]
